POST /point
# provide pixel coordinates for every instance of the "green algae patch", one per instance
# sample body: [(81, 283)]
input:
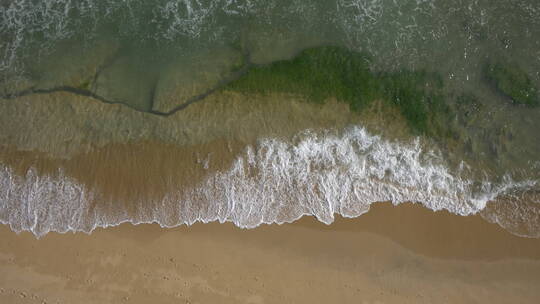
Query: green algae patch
[(418, 95), (332, 72), (513, 82), (317, 74), (86, 85)]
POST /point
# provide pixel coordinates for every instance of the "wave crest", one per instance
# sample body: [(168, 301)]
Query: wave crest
[(271, 182)]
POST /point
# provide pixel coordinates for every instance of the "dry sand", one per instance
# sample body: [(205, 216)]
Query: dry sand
[(404, 254)]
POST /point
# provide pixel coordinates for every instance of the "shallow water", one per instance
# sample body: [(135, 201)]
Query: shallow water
[(81, 75)]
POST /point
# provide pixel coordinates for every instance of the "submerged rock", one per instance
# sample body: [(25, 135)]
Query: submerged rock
[(513, 82)]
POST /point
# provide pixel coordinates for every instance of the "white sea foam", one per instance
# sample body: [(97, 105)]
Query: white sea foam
[(186, 17), (272, 182)]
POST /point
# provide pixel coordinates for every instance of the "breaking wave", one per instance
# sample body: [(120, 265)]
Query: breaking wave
[(271, 182)]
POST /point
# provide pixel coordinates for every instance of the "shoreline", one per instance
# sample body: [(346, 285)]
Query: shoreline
[(261, 152), (413, 226), (369, 259)]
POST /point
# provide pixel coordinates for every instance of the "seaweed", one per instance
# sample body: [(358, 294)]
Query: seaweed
[(417, 95), (332, 72), (511, 81), (317, 74)]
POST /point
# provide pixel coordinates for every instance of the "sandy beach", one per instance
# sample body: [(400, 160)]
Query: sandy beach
[(403, 254), (262, 152)]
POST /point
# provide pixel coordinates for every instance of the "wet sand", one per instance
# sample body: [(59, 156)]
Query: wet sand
[(403, 254)]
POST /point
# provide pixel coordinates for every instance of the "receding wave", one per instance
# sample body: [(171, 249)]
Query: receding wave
[(271, 182)]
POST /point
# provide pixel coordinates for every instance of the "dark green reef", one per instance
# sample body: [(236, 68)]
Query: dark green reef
[(514, 83), (334, 72), (325, 72)]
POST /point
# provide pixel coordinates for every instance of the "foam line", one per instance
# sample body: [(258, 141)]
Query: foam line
[(272, 182)]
